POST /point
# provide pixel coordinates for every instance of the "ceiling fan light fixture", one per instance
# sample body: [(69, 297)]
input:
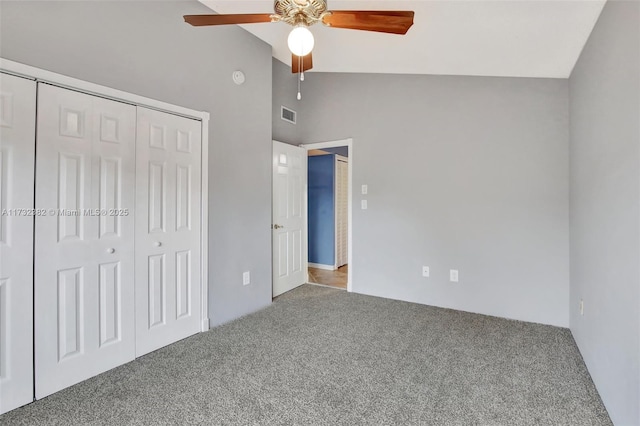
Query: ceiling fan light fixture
[(300, 41), (302, 14)]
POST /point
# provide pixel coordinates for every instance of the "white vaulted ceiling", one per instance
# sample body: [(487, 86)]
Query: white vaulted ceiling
[(512, 38)]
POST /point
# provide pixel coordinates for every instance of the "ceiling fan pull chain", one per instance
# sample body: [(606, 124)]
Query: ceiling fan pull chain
[(301, 67), (300, 76)]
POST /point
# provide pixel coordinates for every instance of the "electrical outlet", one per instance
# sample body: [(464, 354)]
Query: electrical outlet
[(363, 204), (581, 307), (425, 271), (365, 189), (246, 278), (453, 275)]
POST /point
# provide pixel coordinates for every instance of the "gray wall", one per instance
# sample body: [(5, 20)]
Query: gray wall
[(285, 89), (147, 49), (605, 213), (464, 173)]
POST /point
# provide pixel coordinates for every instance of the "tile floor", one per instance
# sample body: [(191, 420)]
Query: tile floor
[(337, 279)]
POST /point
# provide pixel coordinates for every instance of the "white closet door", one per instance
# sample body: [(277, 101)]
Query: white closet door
[(84, 290), (341, 207), (168, 236), (17, 159)]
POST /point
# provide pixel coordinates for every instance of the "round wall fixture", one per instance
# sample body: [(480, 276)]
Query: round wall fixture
[(238, 77)]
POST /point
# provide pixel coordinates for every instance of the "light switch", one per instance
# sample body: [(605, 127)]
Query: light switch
[(363, 204), (365, 189), (246, 278)]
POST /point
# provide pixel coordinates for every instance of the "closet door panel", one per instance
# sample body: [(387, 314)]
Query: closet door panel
[(84, 290), (341, 207), (17, 159), (113, 180), (167, 229)]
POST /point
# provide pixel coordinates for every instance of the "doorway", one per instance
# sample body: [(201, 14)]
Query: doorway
[(329, 213)]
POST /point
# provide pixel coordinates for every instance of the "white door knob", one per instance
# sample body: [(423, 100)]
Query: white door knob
[(111, 250), (157, 244)]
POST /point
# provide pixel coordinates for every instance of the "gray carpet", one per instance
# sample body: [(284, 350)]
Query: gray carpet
[(321, 356)]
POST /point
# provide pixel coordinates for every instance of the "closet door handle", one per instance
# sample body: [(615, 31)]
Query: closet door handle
[(111, 250), (157, 244)]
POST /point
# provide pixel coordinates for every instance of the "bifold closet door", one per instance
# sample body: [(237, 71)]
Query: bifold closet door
[(17, 159), (342, 208), (168, 174), (84, 241)]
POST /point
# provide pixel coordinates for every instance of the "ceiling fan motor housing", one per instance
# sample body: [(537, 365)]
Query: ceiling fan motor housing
[(296, 12)]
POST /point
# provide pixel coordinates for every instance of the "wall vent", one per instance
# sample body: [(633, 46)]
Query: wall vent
[(288, 115)]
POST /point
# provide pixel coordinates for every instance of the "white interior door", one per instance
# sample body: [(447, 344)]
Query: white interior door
[(289, 217), (84, 292), (17, 159), (341, 207), (168, 200)]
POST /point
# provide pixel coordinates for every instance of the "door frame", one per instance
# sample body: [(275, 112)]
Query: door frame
[(43, 76), (334, 144)]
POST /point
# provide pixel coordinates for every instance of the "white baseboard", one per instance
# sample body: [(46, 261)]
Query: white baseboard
[(322, 266), (205, 325)]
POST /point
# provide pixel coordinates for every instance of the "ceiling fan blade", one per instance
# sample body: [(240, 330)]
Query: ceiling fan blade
[(383, 21), (307, 63), (249, 18)]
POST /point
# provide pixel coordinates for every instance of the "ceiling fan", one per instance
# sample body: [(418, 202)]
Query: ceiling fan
[(301, 14)]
